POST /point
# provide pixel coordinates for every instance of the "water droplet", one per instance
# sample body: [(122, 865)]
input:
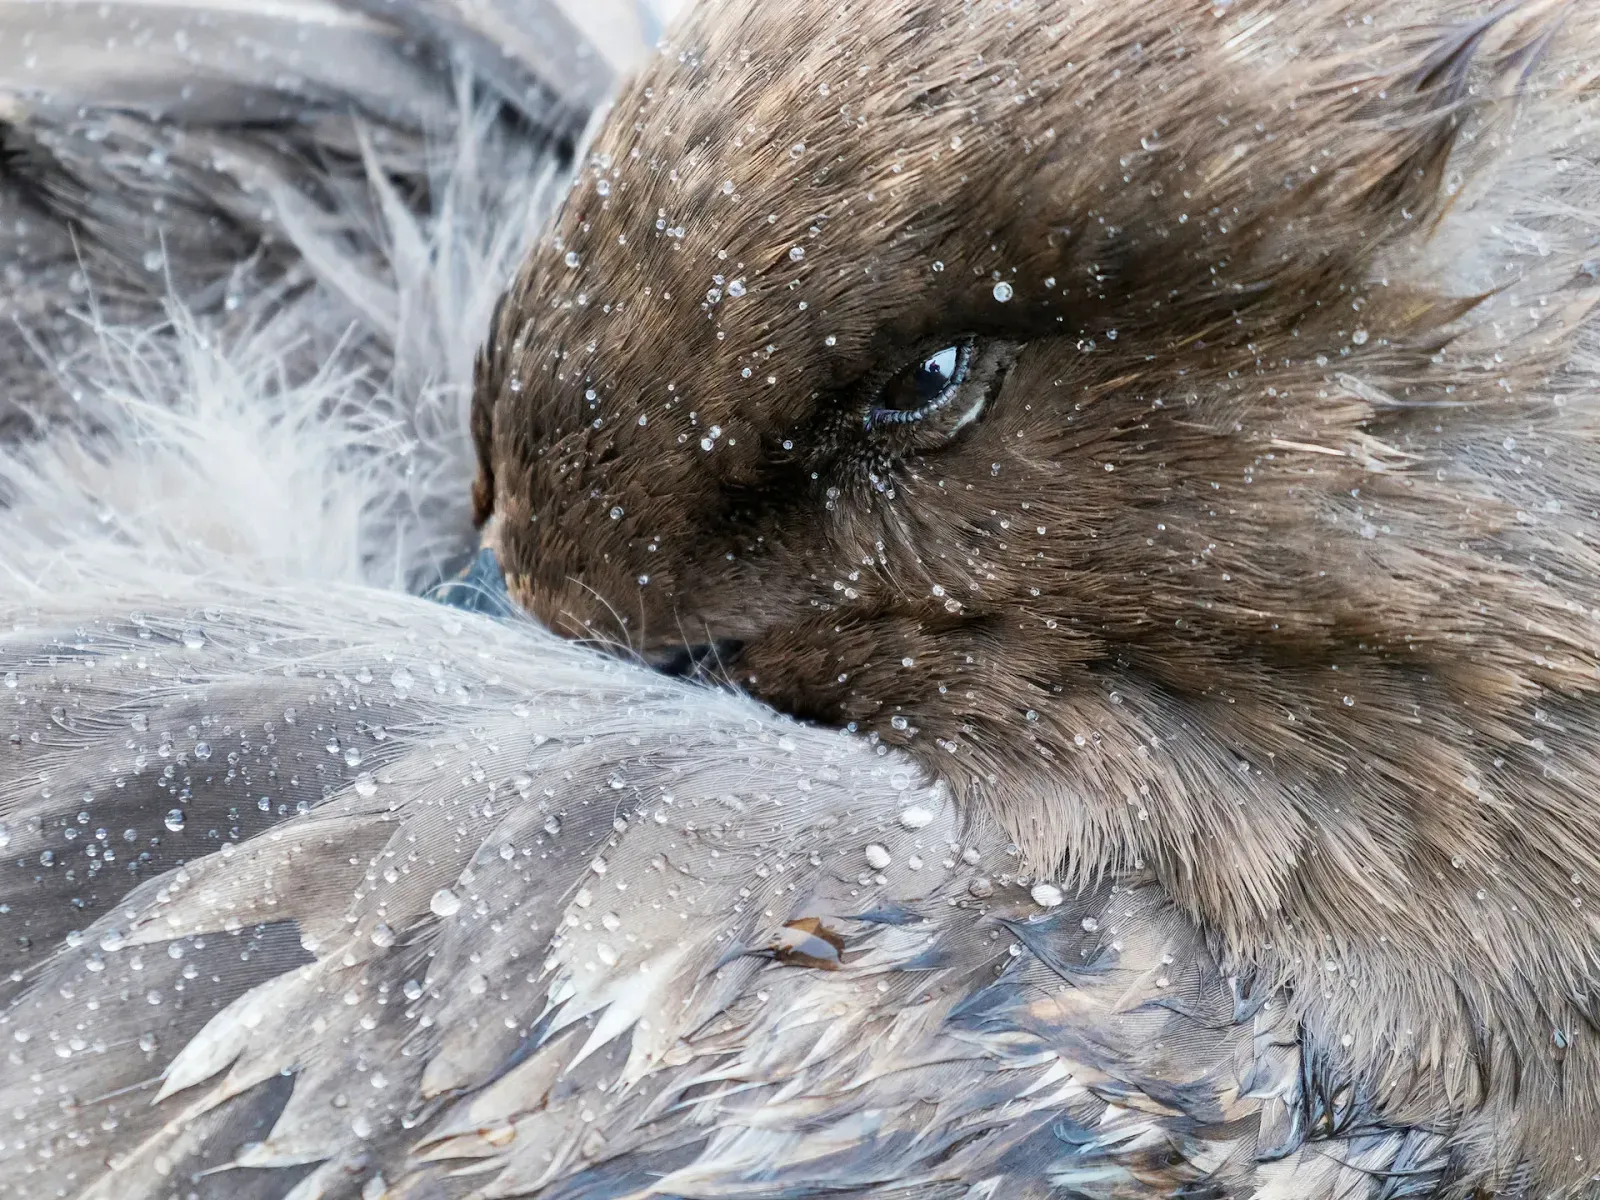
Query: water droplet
[(736, 288), (572, 258), (382, 936), (402, 679), (444, 903), (202, 750), (366, 786), (194, 637), (139, 722), (916, 817), (1359, 337), (878, 856), (1090, 925), (1003, 291), (11, 679), (796, 253), (981, 887), (1046, 895), (352, 756), (174, 819), (616, 513)]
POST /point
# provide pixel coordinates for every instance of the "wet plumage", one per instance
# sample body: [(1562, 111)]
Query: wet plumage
[(1111, 894), (513, 922)]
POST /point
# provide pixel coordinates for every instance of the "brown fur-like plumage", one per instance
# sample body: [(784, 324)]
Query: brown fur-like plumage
[(1269, 569)]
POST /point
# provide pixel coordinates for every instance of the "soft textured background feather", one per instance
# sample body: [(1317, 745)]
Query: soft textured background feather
[(215, 150), (313, 889)]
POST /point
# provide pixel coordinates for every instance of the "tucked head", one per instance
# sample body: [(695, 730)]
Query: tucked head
[(1063, 393)]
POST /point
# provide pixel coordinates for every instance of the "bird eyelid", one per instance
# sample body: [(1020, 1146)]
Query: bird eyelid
[(983, 363), (960, 370)]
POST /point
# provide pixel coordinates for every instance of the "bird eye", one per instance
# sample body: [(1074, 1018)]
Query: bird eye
[(924, 388)]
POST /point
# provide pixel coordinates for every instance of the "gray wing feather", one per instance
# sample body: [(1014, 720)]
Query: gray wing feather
[(514, 920), (218, 64)]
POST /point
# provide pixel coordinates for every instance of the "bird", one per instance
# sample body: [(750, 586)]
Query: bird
[(1172, 425), (1025, 637)]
